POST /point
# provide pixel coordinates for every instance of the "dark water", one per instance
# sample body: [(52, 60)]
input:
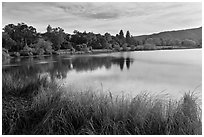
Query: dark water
[(173, 71)]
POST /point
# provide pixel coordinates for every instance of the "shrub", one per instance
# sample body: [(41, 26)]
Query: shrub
[(140, 47), (116, 47), (42, 47), (149, 46), (149, 41), (25, 53), (132, 47), (5, 54), (28, 49), (15, 54), (124, 47), (188, 43)]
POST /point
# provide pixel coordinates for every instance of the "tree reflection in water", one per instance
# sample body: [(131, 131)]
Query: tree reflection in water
[(58, 67)]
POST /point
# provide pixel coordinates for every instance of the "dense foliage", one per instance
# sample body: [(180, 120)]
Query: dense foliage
[(16, 37), (26, 40)]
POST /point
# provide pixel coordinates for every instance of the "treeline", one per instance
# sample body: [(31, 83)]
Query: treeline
[(189, 43), (22, 39)]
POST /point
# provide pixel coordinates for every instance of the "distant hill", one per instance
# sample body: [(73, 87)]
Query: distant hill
[(192, 34)]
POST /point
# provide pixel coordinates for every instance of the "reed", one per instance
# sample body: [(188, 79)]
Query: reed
[(54, 110)]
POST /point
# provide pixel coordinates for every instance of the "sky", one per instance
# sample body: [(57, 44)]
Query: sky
[(100, 17)]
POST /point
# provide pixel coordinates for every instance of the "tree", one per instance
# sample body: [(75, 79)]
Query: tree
[(163, 42), (116, 46), (168, 42), (128, 38), (66, 45), (149, 46), (104, 42), (90, 38), (176, 42), (7, 42), (157, 41), (188, 43), (56, 36), (199, 44), (132, 47), (22, 34), (133, 41), (5, 54), (124, 46), (78, 38), (108, 37), (121, 34), (42, 46), (49, 29), (28, 34), (149, 41), (120, 38)]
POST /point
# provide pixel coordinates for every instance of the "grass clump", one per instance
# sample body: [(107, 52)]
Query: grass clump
[(57, 111)]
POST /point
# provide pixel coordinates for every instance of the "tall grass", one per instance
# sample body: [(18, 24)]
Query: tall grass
[(54, 110), (16, 85)]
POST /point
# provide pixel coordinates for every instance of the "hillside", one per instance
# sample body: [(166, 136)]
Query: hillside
[(192, 34)]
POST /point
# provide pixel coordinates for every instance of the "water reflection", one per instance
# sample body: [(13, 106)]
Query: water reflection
[(58, 67), (154, 71), (123, 61)]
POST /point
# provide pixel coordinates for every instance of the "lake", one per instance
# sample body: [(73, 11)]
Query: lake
[(168, 71)]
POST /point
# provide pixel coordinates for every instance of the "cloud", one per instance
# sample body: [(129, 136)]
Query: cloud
[(104, 15), (101, 17), (89, 10)]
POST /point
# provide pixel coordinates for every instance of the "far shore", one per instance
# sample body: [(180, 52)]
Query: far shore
[(97, 51)]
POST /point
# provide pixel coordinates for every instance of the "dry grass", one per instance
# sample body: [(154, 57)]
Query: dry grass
[(53, 110)]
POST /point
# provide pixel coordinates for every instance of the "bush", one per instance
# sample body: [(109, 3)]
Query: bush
[(149, 46), (188, 43), (15, 54), (72, 50), (85, 48), (124, 47), (40, 51), (140, 47), (5, 54), (55, 53), (116, 47), (132, 47), (79, 47), (66, 45), (28, 49), (25, 53), (4, 50), (149, 41), (109, 46), (42, 47)]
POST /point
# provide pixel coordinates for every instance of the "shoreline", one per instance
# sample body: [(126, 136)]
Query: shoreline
[(100, 51)]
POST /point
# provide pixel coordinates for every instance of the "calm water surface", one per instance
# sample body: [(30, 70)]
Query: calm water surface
[(171, 71)]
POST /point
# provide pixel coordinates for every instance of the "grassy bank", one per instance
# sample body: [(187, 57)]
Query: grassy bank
[(39, 107)]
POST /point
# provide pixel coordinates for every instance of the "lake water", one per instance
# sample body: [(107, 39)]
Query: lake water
[(171, 71)]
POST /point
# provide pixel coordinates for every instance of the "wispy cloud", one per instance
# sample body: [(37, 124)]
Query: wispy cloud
[(139, 18)]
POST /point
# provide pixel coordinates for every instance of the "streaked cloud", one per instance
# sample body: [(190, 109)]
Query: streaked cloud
[(139, 18)]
